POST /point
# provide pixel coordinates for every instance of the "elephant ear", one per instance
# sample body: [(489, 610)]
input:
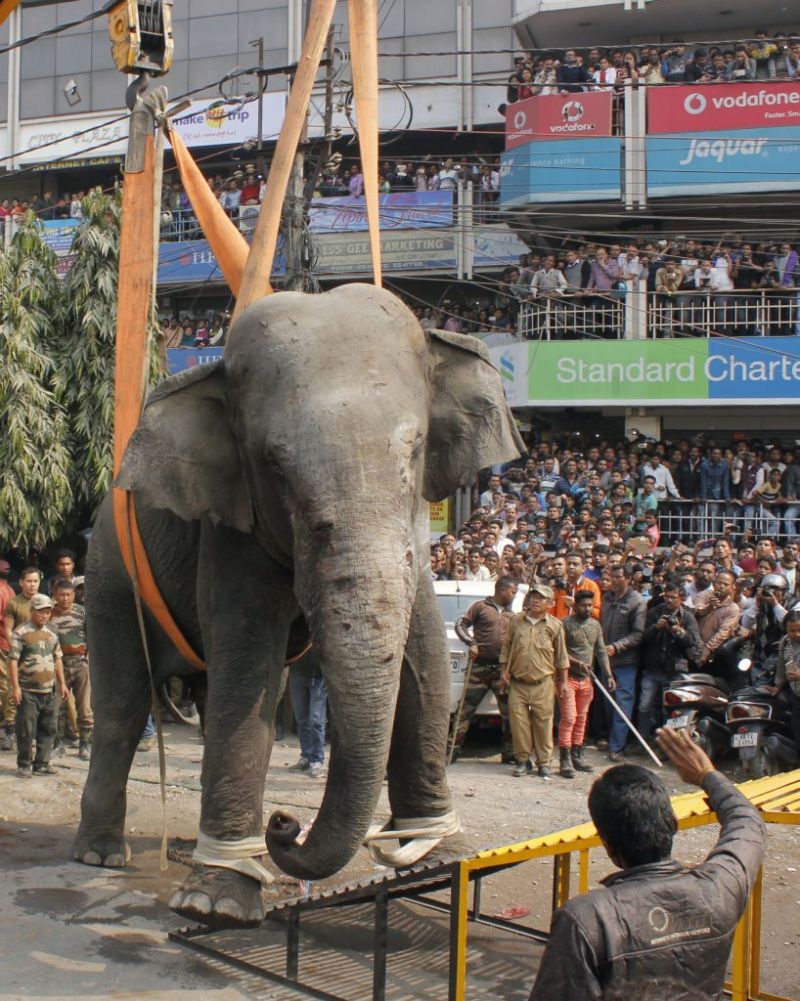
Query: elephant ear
[(182, 455), (470, 426)]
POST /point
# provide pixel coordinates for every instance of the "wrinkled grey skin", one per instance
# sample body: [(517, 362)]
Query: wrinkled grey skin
[(290, 481)]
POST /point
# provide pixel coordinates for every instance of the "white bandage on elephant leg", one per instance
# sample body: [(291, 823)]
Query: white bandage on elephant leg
[(424, 833), (236, 855)]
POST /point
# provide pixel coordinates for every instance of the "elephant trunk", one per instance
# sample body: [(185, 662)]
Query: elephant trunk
[(359, 627)]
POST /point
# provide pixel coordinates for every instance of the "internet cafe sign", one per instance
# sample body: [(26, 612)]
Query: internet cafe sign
[(558, 116), (747, 370)]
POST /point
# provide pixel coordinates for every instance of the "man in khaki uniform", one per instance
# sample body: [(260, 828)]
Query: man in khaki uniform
[(15, 614), (534, 664)]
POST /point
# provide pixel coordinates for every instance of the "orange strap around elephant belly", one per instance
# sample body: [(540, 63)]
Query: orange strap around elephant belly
[(134, 556)]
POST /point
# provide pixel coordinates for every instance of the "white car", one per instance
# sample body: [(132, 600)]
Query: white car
[(454, 598)]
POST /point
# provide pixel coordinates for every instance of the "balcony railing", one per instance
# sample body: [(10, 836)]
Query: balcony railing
[(690, 521), (573, 317), (708, 314), (633, 315)]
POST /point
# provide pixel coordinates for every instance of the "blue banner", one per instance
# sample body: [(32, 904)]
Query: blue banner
[(740, 160), (179, 359), (751, 369), (399, 210), (58, 234), (194, 261), (578, 170)]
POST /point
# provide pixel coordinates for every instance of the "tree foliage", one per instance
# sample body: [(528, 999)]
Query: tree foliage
[(85, 355), (84, 379), (35, 492), (57, 340)]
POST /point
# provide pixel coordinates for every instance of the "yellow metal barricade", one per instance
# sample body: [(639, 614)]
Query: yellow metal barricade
[(778, 799)]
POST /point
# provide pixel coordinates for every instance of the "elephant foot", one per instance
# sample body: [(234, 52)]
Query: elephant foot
[(108, 850), (221, 898)]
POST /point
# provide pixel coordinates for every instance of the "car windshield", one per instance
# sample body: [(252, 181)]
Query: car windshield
[(453, 606)]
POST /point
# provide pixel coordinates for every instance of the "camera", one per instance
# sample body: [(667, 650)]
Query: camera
[(673, 620), (560, 584), (768, 592)]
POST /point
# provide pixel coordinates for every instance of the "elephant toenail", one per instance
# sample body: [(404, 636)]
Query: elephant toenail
[(200, 903), (229, 908), (176, 900), (116, 860), (91, 858)]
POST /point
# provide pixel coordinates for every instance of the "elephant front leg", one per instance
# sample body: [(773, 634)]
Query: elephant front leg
[(248, 626), (417, 780)]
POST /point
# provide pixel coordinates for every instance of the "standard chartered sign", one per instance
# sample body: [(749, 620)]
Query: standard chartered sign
[(757, 370)]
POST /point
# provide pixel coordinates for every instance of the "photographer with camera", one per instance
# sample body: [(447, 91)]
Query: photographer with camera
[(764, 624), (567, 580), (671, 642)]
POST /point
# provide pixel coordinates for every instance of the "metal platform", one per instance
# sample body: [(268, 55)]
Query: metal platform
[(347, 943)]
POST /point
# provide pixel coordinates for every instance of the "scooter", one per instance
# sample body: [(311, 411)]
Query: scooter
[(696, 703), (760, 728)]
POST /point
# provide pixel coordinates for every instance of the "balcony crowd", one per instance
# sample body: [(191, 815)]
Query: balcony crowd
[(571, 70), (693, 287)]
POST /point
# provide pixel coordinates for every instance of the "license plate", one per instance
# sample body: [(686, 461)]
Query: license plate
[(745, 739), (677, 722)]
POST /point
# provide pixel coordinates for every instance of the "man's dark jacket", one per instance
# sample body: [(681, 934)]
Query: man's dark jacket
[(662, 651), (659, 920)]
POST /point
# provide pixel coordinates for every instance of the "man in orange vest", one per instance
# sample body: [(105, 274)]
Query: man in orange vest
[(567, 580)]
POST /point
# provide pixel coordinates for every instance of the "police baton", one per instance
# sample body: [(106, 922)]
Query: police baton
[(460, 710), (617, 709)]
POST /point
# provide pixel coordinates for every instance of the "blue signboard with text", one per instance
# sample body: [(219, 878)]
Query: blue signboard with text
[(713, 162), (578, 170)]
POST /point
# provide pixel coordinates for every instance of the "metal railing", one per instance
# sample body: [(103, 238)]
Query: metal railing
[(703, 313), (573, 317), (691, 521)]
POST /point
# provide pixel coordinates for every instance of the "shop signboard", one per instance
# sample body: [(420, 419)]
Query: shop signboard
[(717, 107), (746, 160), (561, 170), (558, 116), (698, 371)]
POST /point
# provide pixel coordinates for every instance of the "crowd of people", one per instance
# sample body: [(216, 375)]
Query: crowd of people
[(733, 286), (762, 57), (241, 192), (207, 331), (583, 529)]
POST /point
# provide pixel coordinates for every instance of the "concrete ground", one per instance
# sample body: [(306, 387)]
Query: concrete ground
[(72, 932)]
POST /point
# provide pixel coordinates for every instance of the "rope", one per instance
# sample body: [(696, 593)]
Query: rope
[(424, 833), (235, 855), (162, 764)]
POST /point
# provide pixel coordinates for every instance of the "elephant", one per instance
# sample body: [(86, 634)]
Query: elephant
[(282, 492)]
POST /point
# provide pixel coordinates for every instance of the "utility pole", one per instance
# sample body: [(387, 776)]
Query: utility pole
[(300, 191), (326, 146), (258, 44)]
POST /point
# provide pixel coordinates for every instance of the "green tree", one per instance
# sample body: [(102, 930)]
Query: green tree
[(84, 379), (35, 493)]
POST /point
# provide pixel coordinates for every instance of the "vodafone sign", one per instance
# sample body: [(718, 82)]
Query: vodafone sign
[(558, 116), (715, 107)]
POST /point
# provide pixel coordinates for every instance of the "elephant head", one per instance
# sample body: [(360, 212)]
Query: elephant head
[(329, 424)]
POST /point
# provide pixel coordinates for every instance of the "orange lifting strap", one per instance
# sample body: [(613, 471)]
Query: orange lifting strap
[(133, 306), (246, 270)]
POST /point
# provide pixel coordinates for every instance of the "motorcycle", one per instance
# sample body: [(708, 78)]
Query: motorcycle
[(697, 703), (760, 727)]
